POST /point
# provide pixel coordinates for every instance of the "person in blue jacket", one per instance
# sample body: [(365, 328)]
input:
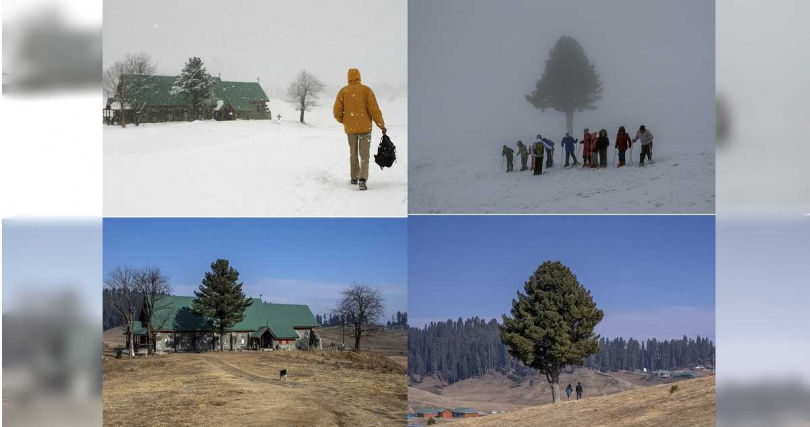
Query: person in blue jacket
[(569, 143)]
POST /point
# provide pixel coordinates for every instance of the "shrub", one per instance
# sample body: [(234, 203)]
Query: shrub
[(673, 389)]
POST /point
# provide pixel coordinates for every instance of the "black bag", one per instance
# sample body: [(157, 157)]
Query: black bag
[(386, 153)]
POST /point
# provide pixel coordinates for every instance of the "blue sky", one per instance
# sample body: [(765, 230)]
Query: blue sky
[(304, 261), (653, 276), (48, 262)]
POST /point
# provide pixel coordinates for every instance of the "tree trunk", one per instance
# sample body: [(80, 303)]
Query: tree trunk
[(554, 382), (357, 341), (131, 343), (302, 116), (149, 340), (569, 122)]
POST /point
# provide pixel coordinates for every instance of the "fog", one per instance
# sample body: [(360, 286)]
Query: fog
[(51, 46), (272, 41), (762, 65), (472, 63)]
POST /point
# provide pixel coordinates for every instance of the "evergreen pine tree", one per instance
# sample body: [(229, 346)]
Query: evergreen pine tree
[(552, 323), (194, 86), (569, 82), (220, 298)]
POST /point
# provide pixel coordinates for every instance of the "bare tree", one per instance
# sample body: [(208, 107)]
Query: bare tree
[(129, 80), (303, 92), (362, 306), (154, 286), (124, 298)]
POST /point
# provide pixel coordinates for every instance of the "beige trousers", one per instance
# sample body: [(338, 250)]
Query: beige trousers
[(358, 155)]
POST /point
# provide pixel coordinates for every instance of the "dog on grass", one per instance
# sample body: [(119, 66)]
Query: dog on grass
[(282, 375)]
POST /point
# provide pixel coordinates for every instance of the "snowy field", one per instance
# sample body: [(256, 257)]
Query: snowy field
[(251, 168), (680, 181)]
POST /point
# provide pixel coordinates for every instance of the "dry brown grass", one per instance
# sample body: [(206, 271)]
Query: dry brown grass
[(243, 388), (692, 405), (390, 342), (497, 392)]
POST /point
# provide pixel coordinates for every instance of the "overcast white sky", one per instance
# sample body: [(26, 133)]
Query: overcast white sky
[(272, 40)]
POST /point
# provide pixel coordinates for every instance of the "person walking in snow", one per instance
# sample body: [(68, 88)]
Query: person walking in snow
[(569, 144), (622, 144), (646, 138), (586, 148), (509, 154), (594, 150), (549, 145), (579, 391), (568, 391), (602, 144), (523, 151), (537, 157), (355, 107)]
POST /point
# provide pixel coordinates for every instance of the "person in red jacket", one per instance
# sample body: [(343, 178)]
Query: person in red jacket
[(586, 148), (623, 142), (594, 150)]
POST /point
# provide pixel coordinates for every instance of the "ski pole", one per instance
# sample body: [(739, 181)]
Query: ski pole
[(631, 155)]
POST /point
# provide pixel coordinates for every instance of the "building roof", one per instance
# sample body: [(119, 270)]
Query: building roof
[(138, 328), (241, 95), (464, 410), (431, 410), (281, 319)]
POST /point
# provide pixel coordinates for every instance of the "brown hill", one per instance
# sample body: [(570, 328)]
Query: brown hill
[(693, 404), (497, 392), (392, 342), (114, 338)]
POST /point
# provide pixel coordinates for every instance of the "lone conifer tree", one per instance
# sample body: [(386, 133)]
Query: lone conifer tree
[(569, 82), (220, 298), (552, 323), (194, 85)]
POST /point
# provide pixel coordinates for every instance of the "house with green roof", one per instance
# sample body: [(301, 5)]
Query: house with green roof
[(265, 326), (156, 103)]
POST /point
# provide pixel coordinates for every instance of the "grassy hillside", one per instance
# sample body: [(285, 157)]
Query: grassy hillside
[(243, 388), (693, 404), (496, 392), (389, 341)]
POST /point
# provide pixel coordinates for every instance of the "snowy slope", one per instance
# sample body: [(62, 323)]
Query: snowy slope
[(251, 168), (680, 181)]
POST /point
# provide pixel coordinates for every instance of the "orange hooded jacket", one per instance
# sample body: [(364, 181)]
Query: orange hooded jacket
[(356, 106)]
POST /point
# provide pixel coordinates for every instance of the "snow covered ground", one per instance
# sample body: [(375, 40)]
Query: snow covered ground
[(474, 181), (251, 168)]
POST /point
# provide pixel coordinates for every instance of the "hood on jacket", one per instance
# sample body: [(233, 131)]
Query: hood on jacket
[(354, 75)]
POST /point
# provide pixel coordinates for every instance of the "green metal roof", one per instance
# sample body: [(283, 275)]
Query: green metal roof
[(138, 328), (430, 410), (464, 410), (241, 95), (282, 319)]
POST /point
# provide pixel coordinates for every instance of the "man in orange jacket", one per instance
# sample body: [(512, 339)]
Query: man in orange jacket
[(355, 107)]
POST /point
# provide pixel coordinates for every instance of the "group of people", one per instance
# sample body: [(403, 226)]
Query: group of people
[(594, 150), (569, 389)]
